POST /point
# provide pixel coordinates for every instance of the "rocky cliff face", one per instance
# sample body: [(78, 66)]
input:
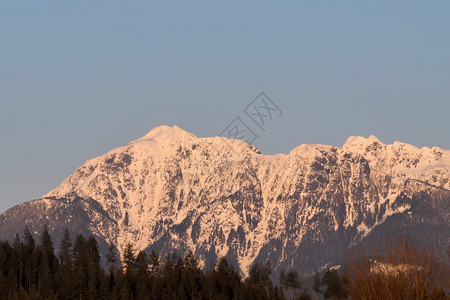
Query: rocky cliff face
[(221, 197)]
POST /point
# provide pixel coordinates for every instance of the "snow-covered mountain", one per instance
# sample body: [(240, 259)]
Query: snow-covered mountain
[(222, 197)]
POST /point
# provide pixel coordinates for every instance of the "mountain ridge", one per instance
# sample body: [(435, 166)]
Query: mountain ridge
[(222, 197)]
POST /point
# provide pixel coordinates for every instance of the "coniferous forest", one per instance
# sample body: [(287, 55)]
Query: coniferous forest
[(32, 269)]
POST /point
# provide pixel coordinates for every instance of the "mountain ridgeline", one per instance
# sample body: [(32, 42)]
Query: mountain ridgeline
[(221, 197)]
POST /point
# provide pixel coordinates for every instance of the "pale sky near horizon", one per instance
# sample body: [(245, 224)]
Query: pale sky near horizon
[(80, 78)]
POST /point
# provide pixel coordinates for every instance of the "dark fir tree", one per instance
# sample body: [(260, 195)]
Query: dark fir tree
[(111, 259), (129, 259), (333, 285), (94, 268), (28, 238), (155, 262), (65, 258), (16, 242), (80, 267), (48, 265), (291, 282), (317, 283), (142, 275)]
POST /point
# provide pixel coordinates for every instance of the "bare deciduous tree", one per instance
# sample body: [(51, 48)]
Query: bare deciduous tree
[(399, 271)]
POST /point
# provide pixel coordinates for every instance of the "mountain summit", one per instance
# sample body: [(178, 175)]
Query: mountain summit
[(165, 132), (221, 197)]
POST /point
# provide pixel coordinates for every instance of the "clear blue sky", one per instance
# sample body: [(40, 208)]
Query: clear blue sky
[(78, 78)]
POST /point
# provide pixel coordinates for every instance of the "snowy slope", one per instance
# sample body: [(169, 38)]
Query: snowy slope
[(221, 197)]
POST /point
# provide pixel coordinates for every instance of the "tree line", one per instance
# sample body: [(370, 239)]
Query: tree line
[(30, 270)]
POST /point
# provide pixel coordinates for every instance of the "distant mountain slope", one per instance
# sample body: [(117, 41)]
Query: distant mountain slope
[(221, 197)]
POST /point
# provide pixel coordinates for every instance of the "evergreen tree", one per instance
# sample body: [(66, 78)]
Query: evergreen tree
[(111, 259), (12, 273), (155, 262), (333, 283), (120, 281), (46, 242), (3, 270), (190, 261), (80, 268), (191, 278), (93, 251), (47, 266), (128, 289), (169, 262), (16, 243), (317, 283), (29, 271), (142, 263), (260, 274), (142, 277), (79, 251), (292, 282), (95, 271), (171, 275), (34, 264), (65, 248), (28, 238), (129, 259), (303, 296), (226, 282)]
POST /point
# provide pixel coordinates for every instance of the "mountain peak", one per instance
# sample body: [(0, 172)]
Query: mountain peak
[(165, 132), (359, 142)]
